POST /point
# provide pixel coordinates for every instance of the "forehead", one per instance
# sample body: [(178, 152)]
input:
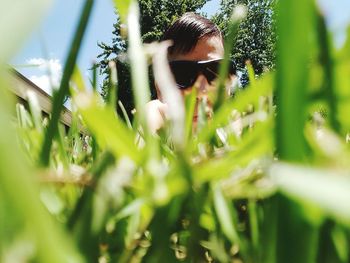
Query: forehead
[(207, 48)]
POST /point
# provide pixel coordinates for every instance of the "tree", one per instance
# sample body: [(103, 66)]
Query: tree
[(155, 17), (255, 40)]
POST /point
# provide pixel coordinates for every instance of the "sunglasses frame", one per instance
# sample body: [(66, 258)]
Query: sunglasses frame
[(201, 66)]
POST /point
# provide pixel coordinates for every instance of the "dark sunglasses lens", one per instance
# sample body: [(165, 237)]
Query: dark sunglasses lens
[(211, 70), (185, 73)]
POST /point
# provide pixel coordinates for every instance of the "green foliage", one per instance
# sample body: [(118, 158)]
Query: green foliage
[(256, 37), (256, 183), (156, 16)]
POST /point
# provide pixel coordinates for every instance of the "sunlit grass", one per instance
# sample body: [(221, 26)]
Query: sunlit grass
[(265, 180)]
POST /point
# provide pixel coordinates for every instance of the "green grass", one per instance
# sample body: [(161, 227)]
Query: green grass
[(263, 181)]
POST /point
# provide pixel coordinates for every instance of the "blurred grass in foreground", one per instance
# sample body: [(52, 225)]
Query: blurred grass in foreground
[(263, 181)]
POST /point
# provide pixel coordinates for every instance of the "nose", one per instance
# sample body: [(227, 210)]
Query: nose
[(203, 88), (202, 85)]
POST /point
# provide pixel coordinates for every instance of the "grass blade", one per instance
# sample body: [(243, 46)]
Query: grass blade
[(112, 85), (139, 69), (238, 14), (293, 48), (63, 91), (190, 102), (254, 225), (327, 61), (326, 190), (225, 216), (109, 131), (170, 93), (125, 115), (18, 189)]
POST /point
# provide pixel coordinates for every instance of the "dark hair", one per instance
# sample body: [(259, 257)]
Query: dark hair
[(187, 30)]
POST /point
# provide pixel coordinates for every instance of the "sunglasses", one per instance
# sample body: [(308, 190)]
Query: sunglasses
[(186, 72)]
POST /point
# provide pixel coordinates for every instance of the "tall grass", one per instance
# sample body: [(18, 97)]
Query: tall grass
[(262, 181)]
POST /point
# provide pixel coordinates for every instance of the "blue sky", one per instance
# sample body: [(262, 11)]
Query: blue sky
[(52, 39)]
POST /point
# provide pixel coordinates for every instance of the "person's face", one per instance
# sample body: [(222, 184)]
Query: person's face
[(207, 48)]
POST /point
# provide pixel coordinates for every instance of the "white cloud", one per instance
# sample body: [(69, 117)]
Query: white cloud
[(49, 75)]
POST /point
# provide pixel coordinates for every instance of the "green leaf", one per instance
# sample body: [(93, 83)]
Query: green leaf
[(58, 98), (250, 95), (35, 111), (239, 13), (225, 217), (190, 103), (139, 69), (109, 131), (293, 49), (325, 190), (18, 189), (341, 244), (251, 147)]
